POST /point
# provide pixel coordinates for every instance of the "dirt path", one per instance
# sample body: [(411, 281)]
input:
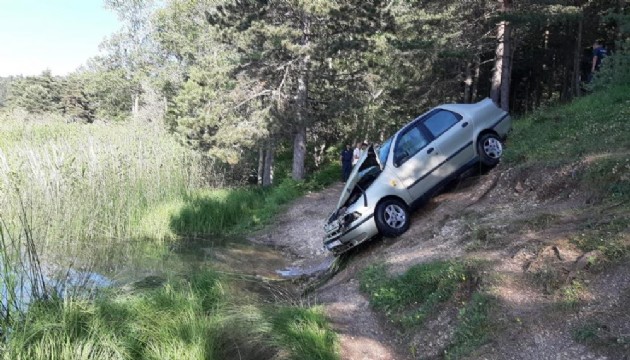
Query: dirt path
[(520, 223), (299, 231)]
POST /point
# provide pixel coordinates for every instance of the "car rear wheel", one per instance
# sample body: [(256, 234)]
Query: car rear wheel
[(392, 217), (490, 149)]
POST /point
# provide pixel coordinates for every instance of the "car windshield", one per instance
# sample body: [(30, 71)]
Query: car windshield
[(383, 151)]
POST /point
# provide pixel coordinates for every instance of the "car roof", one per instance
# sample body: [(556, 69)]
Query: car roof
[(462, 109)]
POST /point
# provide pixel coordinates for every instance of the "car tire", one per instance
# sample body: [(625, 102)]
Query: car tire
[(490, 149), (392, 217)]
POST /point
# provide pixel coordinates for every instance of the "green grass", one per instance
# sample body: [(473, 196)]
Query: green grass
[(194, 318), (610, 236), (548, 279), (230, 211), (178, 319), (591, 133), (408, 299), (539, 221), (571, 296), (474, 326), (586, 333), (610, 176), (306, 332), (594, 124), (595, 333)]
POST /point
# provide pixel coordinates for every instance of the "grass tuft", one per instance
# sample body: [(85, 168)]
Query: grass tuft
[(410, 298), (571, 295), (610, 236), (474, 326), (305, 331)]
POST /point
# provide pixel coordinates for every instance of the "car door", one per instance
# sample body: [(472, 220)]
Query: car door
[(453, 136), (414, 157)]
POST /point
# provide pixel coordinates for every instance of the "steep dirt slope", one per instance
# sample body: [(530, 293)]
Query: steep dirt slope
[(523, 224)]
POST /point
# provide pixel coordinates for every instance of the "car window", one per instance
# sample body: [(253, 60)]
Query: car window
[(408, 144), (440, 121), (383, 151)]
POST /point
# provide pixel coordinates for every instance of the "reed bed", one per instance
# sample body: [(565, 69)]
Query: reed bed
[(101, 196), (82, 183)]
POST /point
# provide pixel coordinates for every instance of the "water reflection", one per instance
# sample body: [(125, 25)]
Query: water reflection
[(83, 269), (308, 269)]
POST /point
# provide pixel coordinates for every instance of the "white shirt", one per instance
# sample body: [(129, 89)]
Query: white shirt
[(356, 155)]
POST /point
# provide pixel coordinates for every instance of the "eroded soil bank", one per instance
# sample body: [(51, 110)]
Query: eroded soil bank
[(523, 224)]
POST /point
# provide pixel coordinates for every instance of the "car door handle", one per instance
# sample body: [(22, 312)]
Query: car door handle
[(465, 124), (430, 150)]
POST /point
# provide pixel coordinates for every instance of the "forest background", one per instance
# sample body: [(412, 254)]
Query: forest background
[(270, 89)]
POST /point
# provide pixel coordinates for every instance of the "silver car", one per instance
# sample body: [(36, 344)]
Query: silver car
[(411, 166)]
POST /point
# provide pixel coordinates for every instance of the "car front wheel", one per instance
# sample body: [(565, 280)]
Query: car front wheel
[(490, 149), (392, 217)]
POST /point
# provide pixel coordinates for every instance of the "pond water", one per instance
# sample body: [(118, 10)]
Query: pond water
[(143, 264)]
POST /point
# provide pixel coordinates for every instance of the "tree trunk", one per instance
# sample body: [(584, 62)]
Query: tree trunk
[(526, 104), (495, 90), (565, 88), (549, 69), (299, 153), (468, 83), (506, 73), (621, 4), (136, 104), (267, 178), (500, 90), (261, 165), (299, 136), (577, 55), (475, 85)]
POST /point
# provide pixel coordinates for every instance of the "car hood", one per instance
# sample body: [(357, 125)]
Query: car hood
[(367, 161)]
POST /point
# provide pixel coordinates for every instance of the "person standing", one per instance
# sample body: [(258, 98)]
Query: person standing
[(599, 53), (346, 162), (356, 154)]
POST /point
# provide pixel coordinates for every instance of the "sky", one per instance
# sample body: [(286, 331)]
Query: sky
[(59, 35)]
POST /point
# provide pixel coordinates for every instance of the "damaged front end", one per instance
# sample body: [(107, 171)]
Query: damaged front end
[(346, 226)]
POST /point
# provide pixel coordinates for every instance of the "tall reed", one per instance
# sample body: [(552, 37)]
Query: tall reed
[(21, 276), (83, 183)]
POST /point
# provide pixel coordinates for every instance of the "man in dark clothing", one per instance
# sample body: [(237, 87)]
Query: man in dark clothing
[(346, 162), (599, 53)]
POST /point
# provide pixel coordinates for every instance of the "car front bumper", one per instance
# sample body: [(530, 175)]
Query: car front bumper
[(341, 237)]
